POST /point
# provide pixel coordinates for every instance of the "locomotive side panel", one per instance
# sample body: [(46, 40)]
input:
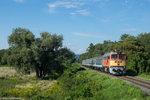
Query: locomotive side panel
[(106, 61)]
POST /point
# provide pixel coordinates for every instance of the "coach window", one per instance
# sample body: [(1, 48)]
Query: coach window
[(104, 58), (113, 56)]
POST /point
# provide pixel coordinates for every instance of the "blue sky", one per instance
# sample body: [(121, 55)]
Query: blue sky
[(81, 22)]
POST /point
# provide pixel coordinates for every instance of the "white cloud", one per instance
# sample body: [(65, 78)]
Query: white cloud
[(90, 35), (129, 29), (74, 48), (80, 51), (83, 12), (67, 44), (73, 13), (19, 1), (52, 5), (76, 6), (65, 4)]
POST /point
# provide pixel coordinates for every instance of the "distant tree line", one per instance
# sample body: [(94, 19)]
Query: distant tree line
[(137, 49), (44, 55)]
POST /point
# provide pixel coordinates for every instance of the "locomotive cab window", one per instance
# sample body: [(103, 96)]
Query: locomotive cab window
[(121, 56), (114, 57)]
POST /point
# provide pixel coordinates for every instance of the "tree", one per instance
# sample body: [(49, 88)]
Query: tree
[(128, 47), (21, 56), (45, 53), (98, 51), (90, 48), (3, 59), (65, 57), (139, 62), (127, 37), (144, 40)]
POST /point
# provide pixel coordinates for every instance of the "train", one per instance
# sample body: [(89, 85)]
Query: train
[(113, 62)]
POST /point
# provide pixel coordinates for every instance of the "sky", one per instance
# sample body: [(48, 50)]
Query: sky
[(81, 22)]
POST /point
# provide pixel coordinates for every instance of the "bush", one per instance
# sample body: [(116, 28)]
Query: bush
[(28, 92)]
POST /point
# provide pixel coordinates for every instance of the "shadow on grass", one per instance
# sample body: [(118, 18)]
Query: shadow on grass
[(53, 77), (2, 78), (4, 66), (131, 72)]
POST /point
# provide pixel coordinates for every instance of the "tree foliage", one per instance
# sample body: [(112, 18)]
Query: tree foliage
[(139, 62), (44, 55), (21, 56), (137, 49)]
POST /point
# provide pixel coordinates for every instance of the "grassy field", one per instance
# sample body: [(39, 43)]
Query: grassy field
[(21, 86)]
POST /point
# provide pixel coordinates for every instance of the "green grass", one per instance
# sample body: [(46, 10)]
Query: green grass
[(144, 76), (79, 84), (7, 84)]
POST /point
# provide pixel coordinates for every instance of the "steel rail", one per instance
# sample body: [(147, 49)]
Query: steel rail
[(135, 81), (142, 81)]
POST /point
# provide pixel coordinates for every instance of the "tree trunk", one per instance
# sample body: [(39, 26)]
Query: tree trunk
[(37, 72)]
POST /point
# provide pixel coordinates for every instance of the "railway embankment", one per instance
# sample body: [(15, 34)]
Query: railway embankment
[(80, 84), (142, 83)]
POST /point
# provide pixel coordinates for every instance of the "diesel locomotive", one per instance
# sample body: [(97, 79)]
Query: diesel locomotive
[(113, 62)]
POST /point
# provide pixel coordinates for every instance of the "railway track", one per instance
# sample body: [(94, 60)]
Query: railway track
[(137, 81), (141, 83)]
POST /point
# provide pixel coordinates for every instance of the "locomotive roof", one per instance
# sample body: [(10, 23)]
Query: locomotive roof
[(107, 54), (112, 52)]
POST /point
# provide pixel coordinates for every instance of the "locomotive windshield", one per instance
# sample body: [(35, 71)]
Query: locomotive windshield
[(121, 56), (114, 57)]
